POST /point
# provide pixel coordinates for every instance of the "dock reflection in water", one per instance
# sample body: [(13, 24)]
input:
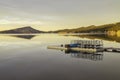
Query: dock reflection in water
[(84, 55)]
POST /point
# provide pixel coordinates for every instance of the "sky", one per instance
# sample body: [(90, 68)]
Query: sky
[(57, 14)]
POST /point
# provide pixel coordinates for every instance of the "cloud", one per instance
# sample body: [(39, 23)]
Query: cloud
[(58, 12), (30, 22)]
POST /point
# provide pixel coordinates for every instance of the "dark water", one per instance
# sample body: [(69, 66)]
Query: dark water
[(27, 58)]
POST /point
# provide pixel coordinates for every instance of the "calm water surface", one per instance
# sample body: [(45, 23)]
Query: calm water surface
[(27, 58)]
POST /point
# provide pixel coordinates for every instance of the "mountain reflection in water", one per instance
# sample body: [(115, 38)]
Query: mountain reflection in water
[(24, 36)]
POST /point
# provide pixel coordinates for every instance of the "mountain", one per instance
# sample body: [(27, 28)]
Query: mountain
[(107, 28), (23, 30), (92, 29)]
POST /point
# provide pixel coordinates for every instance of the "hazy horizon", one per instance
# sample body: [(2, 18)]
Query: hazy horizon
[(49, 15)]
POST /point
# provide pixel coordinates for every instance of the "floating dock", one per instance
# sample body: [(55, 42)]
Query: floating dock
[(89, 46), (57, 47), (73, 49)]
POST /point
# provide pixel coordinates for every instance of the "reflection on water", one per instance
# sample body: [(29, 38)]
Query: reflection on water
[(24, 36), (29, 59), (118, 34), (103, 37), (114, 33), (84, 55)]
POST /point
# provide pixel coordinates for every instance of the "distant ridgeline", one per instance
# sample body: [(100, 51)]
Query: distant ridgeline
[(23, 30), (111, 29)]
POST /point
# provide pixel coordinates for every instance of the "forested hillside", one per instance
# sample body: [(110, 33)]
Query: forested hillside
[(92, 29)]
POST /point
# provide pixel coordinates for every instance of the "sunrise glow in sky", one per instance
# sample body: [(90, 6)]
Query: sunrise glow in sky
[(57, 14)]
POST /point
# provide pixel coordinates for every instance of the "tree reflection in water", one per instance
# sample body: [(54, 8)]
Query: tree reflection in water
[(103, 37)]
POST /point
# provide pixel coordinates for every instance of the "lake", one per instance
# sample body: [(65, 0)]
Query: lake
[(26, 57)]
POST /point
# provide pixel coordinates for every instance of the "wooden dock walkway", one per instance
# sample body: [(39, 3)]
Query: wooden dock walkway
[(88, 50), (111, 49), (73, 49)]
